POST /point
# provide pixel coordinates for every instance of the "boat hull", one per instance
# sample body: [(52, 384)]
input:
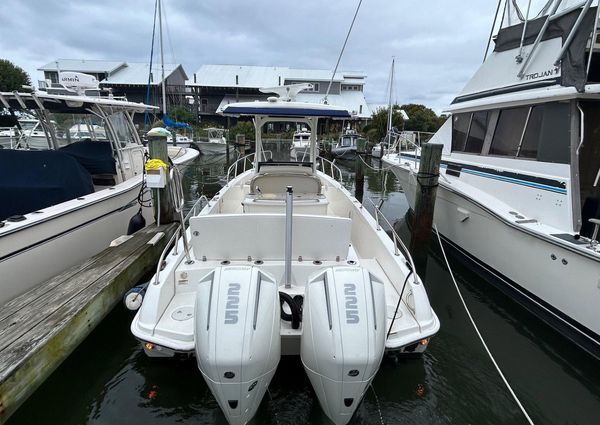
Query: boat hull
[(558, 284), (344, 153), (58, 237), (210, 148)]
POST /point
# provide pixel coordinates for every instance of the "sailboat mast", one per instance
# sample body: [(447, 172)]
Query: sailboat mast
[(162, 60), (389, 123)]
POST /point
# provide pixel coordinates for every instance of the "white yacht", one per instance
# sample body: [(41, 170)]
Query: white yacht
[(519, 190), (300, 149), (67, 203), (284, 261), (216, 144)]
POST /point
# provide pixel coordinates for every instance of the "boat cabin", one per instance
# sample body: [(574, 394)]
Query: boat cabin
[(530, 116)]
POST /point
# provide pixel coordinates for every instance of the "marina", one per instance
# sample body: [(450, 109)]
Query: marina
[(256, 244), (454, 382)]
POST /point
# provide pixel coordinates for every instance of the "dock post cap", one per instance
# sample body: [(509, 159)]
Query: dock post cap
[(158, 132)]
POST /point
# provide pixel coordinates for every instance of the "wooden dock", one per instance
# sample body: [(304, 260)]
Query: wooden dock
[(40, 328)]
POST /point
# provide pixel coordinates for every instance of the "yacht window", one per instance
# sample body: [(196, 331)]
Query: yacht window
[(531, 139), (509, 131), (460, 127), (555, 134), (477, 131)]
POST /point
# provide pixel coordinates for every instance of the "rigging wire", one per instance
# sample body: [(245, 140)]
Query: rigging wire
[(164, 10), (150, 69), (342, 52), (479, 333)]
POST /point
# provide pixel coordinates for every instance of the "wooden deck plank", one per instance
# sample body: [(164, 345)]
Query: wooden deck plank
[(36, 306), (32, 357)]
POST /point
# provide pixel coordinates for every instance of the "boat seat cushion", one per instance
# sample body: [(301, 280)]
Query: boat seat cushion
[(277, 182), (262, 236)]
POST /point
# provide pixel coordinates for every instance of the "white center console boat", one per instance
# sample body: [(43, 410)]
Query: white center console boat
[(283, 260)]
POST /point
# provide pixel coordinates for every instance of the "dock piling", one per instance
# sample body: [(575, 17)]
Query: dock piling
[(161, 198), (427, 182)]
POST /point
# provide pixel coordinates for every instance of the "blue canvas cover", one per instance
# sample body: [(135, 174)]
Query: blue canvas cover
[(32, 180), (96, 157)]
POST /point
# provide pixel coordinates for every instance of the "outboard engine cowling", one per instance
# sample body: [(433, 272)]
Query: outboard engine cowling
[(343, 337), (238, 345)]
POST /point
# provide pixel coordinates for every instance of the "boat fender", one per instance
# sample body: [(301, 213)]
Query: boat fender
[(134, 297), (137, 222), (294, 308)]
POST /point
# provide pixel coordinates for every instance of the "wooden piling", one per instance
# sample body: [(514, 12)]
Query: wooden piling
[(427, 181), (359, 180), (40, 328), (161, 198)]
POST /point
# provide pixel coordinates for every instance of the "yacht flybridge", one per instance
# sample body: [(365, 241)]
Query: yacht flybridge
[(521, 164), (284, 261)]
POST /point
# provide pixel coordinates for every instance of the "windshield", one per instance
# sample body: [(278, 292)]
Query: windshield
[(122, 128)]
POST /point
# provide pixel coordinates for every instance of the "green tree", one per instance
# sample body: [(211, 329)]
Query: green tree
[(243, 127), (12, 77), (377, 127), (183, 114), (422, 118)]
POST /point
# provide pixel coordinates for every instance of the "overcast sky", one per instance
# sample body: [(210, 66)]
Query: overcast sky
[(438, 44)]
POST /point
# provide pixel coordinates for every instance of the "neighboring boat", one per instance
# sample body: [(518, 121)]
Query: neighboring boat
[(30, 135), (283, 260), (519, 192), (347, 145), (182, 156), (82, 131), (382, 147), (216, 144), (300, 149), (66, 204)]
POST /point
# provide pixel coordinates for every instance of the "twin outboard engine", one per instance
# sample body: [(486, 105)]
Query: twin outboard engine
[(343, 337), (238, 345)]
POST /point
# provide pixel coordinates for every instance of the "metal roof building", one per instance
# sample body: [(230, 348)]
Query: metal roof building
[(217, 85)]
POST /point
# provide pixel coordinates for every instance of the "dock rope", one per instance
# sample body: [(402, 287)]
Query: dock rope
[(377, 402), (479, 333)]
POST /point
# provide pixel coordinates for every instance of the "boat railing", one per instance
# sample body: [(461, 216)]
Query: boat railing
[(334, 170), (398, 244), (180, 232), (242, 163)]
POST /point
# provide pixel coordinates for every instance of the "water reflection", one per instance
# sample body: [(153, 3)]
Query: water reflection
[(109, 380)]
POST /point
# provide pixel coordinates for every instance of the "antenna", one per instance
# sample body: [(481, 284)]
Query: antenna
[(342, 52)]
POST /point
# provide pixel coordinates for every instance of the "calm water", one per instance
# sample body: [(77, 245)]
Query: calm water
[(108, 380)]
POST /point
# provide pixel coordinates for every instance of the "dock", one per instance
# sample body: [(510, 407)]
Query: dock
[(40, 328)]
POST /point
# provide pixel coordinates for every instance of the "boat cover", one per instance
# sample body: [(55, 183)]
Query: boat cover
[(95, 156), (33, 180)]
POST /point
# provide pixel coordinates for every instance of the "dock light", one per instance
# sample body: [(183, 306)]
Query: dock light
[(149, 346), (424, 341)]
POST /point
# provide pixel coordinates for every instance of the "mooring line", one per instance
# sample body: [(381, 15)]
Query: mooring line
[(479, 333), (377, 402), (272, 401)]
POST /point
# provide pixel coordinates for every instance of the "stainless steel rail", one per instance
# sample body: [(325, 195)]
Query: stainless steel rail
[(395, 238), (241, 163), (333, 169), (179, 232)]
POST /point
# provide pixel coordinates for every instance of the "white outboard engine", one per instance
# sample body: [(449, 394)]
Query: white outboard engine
[(238, 345), (343, 337)]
